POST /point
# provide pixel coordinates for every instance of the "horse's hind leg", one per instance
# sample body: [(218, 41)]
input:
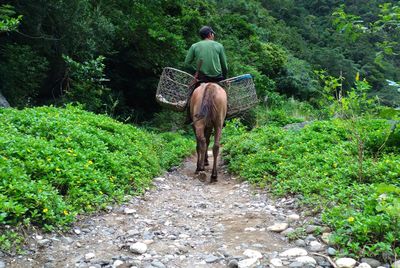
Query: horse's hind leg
[(200, 148), (214, 174), (208, 132)]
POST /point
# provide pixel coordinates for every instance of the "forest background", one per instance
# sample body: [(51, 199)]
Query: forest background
[(312, 60)]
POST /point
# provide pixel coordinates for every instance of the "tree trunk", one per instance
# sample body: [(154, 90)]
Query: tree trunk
[(3, 101)]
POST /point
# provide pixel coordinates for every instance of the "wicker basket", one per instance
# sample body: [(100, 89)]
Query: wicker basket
[(173, 89), (241, 93)]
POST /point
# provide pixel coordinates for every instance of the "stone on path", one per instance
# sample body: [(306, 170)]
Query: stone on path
[(157, 264), (138, 248), (247, 262), (293, 217), (2, 264), (325, 237), (372, 262), (89, 256), (306, 260), (252, 254), (129, 211), (396, 264), (212, 259), (278, 227), (364, 265), (117, 263), (276, 262), (316, 246), (346, 262), (233, 264), (294, 252)]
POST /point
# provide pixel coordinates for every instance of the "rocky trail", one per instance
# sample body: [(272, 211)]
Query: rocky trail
[(182, 222)]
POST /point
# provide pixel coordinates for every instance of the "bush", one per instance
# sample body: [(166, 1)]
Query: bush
[(22, 72), (320, 163), (56, 163)]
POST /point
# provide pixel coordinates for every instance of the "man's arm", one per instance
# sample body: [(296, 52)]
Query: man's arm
[(224, 65)]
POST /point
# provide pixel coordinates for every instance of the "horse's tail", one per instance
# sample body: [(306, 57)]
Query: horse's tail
[(207, 108)]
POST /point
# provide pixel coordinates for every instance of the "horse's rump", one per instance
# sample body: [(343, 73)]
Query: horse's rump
[(209, 102)]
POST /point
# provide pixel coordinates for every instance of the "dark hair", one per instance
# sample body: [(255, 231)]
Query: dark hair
[(205, 31)]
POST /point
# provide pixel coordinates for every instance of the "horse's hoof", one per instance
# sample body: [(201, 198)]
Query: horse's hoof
[(202, 176), (206, 163), (213, 179)]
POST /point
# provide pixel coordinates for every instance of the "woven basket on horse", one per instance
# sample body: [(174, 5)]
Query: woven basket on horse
[(173, 89), (241, 93)]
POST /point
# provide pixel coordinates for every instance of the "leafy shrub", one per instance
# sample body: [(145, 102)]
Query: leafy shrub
[(56, 163), (22, 72), (85, 84), (320, 162)]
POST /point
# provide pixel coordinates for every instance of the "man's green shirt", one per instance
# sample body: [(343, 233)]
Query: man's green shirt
[(212, 55)]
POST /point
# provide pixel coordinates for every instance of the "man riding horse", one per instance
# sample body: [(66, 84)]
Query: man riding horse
[(208, 103)]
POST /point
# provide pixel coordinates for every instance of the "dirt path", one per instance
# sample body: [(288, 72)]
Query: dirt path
[(180, 222)]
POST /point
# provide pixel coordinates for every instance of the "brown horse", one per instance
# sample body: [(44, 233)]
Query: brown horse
[(208, 107)]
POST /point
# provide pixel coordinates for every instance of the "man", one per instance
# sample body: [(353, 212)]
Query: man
[(207, 57)]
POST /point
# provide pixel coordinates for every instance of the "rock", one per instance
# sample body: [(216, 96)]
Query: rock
[(3, 101), (89, 256), (233, 264), (212, 259), (133, 232), (316, 246), (296, 264), (312, 228), (77, 231), (247, 262), (326, 238), (252, 254), (306, 260), (364, 265), (287, 232), (138, 248), (276, 262), (67, 240), (44, 242), (294, 252), (346, 262), (2, 264), (117, 263), (372, 262), (300, 243), (157, 264), (159, 179), (331, 251), (278, 227), (396, 264), (250, 229), (129, 211), (293, 217), (310, 238)]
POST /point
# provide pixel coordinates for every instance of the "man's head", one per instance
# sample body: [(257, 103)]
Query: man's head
[(206, 32)]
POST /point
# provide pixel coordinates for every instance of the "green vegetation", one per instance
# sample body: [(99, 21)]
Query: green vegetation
[(56, 163), (320, 162), (109, 55), (335, 66)]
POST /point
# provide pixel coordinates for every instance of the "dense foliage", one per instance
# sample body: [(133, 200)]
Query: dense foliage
[(56, 163), (49, 43), (320, 162), (311, 60)]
